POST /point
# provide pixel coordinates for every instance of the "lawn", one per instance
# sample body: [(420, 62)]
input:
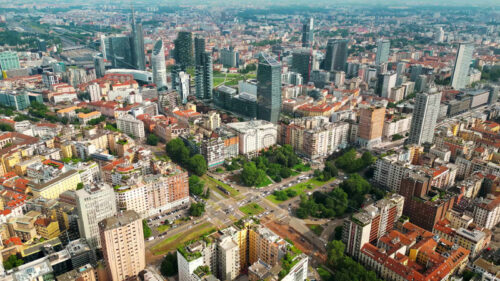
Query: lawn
[(301, 188), (173, 242), (301, 167), (251, 209), (218, 80), (211, 181), (266, 182), (162, 228), (316, 228)]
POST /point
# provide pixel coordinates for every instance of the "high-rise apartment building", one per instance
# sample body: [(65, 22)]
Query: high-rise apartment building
[(268, 89), (122, 241), (9, 60), (371, 126), (183, 52), (371, 223), (131, 126), (229, 57), (336, 55), (423, 205), (459, 78), (137, 44), (425, 114), (158, 63), (308, 33), (383, 47), (302, 63), (203, 70), (94, 204), (439, 35)]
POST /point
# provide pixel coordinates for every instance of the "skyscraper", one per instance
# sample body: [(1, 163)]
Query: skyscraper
[(199, 49), (371, 125), (99, 66), (336, 55), (183, 52), (180, 83), (137, 44), (119, 52), (302, 63), (439, 35), (383, 47), (425, 114), (158, 63), (385, 83), (459, 79), (268, 88), (203, 71), (94, 203), (122, 241), (308, 33)]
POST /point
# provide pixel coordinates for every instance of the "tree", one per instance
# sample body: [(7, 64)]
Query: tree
[(285, 172), (197, 165), (196, 186), (197, 209), (338, 233), (152, 140), (79, 186), (335, 252), (12, 262), (249, 174), (6, 128), (280, 195), (177, 151), (146, 229), (291, 193), (169, 265)]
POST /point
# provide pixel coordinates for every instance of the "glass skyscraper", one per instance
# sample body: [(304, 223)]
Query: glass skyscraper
[(308, 33), (158, 65), (137, 44), (302, 63), (268, 89), (336, 55), (383, 47)]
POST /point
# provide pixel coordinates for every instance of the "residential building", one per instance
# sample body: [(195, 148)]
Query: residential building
[(211, 120), (459, 79), (371, 223), (390, 170), (122, 241), (229, 57), (131, 126), (487, 212), (314, 137), (203, 70), (84, 118), (268, 89), (84, 273), (213, 151), (413, 254), (424, 118), (424, 205), (183, 52), (52, 188), (470, 238), (94, 204), (371, 126)]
